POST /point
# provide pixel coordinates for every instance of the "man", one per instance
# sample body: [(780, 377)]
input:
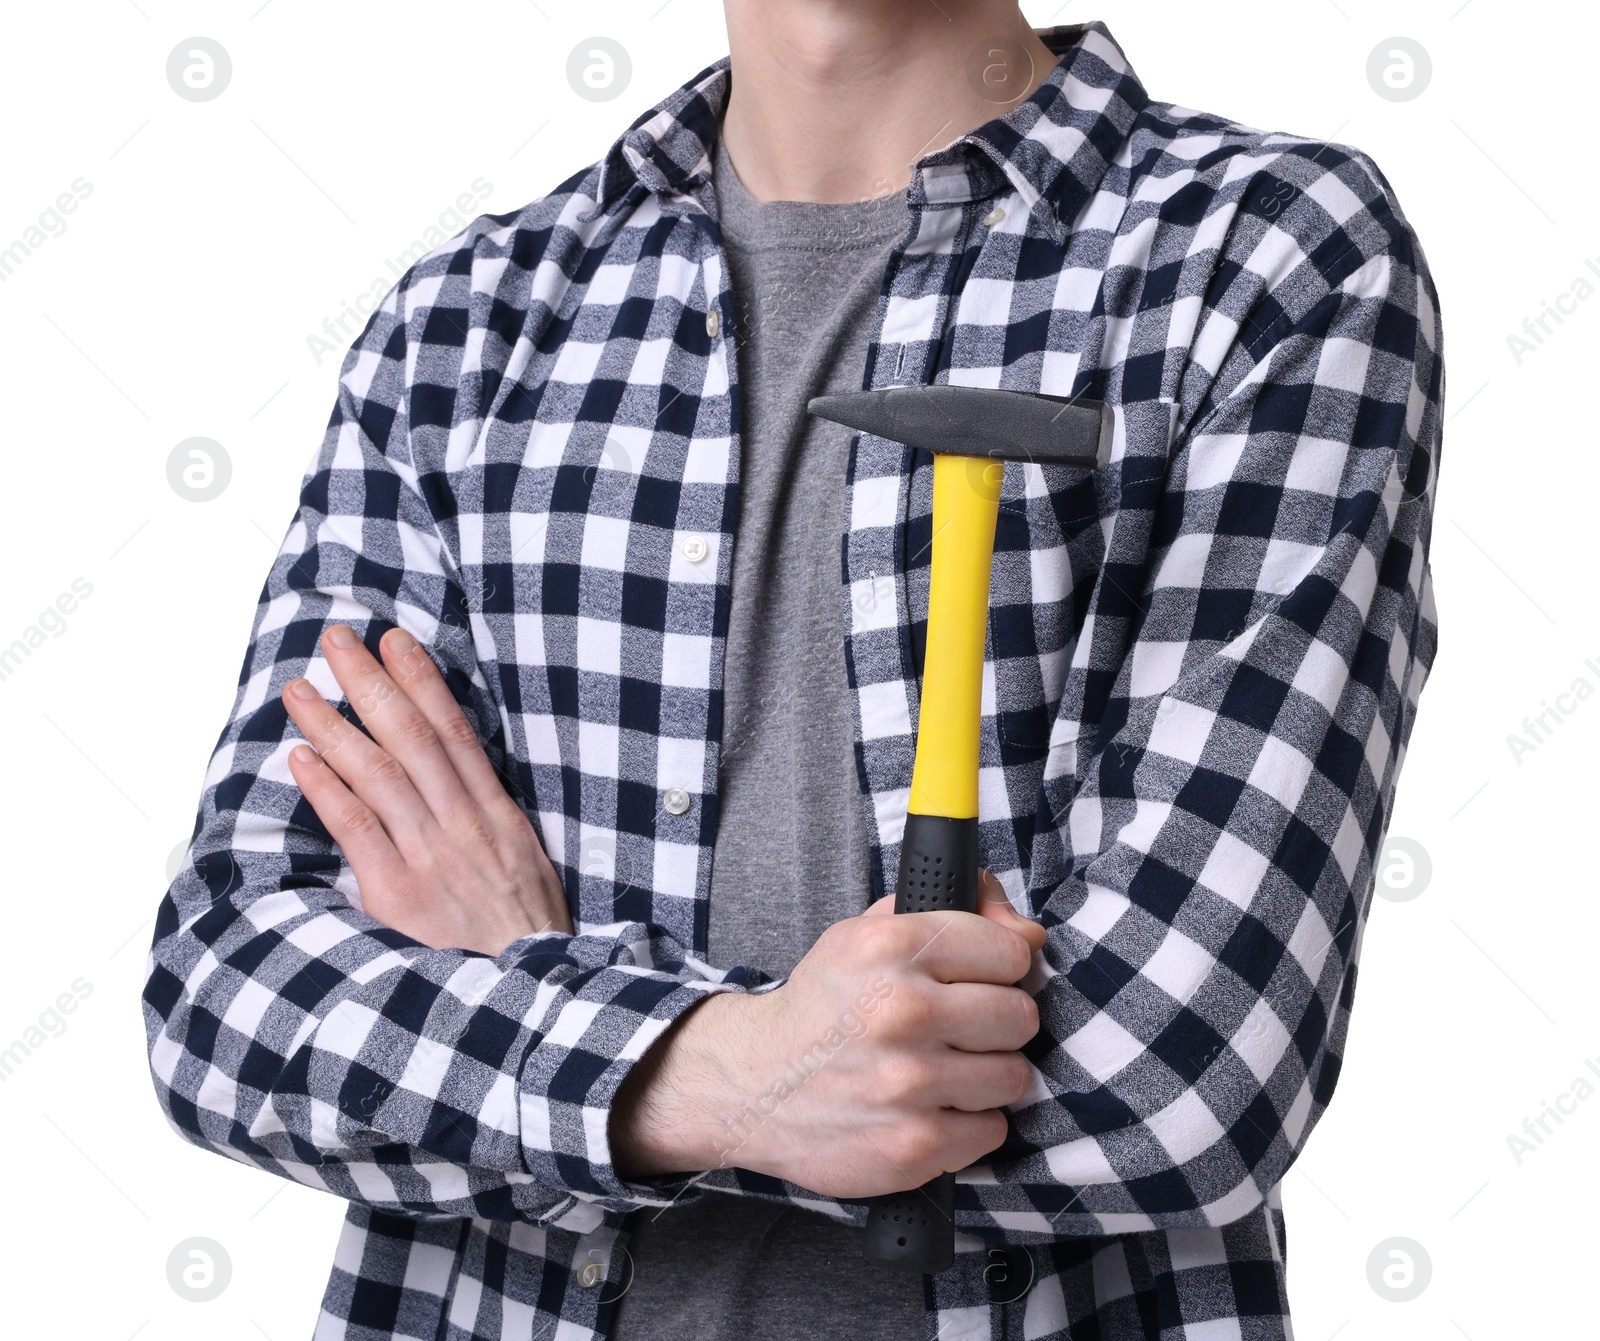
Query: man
[(677, 628)]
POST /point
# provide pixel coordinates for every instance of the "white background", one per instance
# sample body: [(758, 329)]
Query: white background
[(217, 238)]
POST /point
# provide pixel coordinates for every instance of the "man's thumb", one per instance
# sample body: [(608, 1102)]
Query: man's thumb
[(993, 904)]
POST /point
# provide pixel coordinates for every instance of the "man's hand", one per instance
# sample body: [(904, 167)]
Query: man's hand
[(882, 1061), (439, 850)]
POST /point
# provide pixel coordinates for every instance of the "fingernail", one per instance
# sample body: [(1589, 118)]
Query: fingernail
[(302, 689), (302, 754), (343, 636), (402, 642)]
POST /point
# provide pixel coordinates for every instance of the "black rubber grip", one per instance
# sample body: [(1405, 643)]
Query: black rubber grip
[(916, 1230), (938, 866)]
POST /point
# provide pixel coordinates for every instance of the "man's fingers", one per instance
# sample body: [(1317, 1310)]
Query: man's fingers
[(395, 722), (963, 947), (413, 670), (971, 1136), (348, 819), (992, 904), (985, 1017), (982, 1081), (371, 773)]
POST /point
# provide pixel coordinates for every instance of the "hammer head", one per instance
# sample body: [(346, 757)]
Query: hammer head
[(977, 421)]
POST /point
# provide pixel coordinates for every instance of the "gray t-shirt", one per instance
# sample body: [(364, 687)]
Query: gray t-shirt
[(791, 852)]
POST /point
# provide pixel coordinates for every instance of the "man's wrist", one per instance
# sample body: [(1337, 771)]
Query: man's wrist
[(668, 1115)]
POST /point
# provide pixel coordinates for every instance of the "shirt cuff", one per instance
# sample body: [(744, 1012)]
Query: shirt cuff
[(570, 1078)]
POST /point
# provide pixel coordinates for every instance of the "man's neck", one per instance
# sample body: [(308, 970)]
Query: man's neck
[(834, 100)]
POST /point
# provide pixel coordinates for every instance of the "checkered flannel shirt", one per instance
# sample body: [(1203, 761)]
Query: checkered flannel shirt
[(1203, 665)]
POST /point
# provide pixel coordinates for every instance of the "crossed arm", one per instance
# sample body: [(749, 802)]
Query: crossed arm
[(442, 854)]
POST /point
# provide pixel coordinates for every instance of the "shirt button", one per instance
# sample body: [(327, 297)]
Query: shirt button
[(994, 216), (695, 549), (712, 324), (591, 1274), (676, 801)]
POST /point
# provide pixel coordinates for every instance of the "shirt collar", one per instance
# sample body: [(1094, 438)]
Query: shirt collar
[(1054, 147)]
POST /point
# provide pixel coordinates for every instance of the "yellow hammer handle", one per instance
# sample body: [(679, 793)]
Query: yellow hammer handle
[(966, 500)]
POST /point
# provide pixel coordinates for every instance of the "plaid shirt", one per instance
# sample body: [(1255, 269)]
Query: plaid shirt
[(1203, 666)]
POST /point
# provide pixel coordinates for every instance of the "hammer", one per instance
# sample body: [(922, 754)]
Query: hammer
[(971, 431)]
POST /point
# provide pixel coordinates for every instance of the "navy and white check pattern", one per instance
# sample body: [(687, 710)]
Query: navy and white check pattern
[(1204, 662)]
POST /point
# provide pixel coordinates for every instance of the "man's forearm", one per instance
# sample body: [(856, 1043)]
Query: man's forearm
[(667, 1115)]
